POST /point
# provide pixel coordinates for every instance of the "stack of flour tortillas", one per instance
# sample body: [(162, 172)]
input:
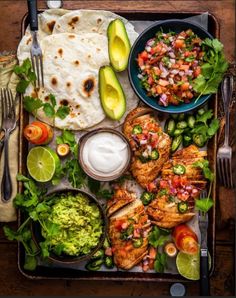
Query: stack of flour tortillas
[(75, 46)]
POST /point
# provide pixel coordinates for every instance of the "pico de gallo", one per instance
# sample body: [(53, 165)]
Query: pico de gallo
[(144, 140), (168, 66)]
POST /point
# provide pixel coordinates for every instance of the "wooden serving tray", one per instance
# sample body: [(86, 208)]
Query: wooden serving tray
[(43, 272)]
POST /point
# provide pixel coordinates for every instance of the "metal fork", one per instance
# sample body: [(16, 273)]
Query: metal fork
[(204, 270), (35, 51), (224, 154), (8, 125)]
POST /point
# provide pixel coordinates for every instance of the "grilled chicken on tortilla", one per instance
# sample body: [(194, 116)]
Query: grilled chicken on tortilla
[(150, 145), (128, 233)]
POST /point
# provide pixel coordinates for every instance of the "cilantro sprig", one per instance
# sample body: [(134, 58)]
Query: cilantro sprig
[(212, 69), (205, 204), (31, 104)]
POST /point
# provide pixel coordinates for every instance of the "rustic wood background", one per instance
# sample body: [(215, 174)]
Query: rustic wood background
[(222, 282)]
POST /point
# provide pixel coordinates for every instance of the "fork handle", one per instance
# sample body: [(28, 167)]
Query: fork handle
[(227, 93), (33, 16), (6, 186), (204, 273)]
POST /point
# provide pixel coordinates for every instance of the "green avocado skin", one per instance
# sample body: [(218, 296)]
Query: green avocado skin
[(111, 94), (118, 45)]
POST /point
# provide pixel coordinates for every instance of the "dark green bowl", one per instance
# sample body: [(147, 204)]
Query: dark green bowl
[(139, 45)]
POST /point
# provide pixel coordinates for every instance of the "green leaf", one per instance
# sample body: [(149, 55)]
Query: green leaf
[(105, 194), (52, 98), (158, 267), (32, 76), (93, 185), (204, 204), (58, 249), (59, 140), (44, 249), (32, 104), (208, 174), (217, 45), (48, 110), (20, 177), (204, 117), (213, 127), (154, 236), (62, 112), (30, 263), (22, 85), (207, 70)]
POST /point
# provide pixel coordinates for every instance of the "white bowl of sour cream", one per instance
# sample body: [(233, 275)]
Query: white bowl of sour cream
[(104, 154)]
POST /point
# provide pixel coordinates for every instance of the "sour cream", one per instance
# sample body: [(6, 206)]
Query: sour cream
[(105, 154)]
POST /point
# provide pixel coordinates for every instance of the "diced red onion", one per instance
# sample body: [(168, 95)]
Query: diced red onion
[(171, 81), (148, 48), (181, 73), (149, 149), (172, 61), (143, 142), (163, 100), (145, 262), (194, 191), (175, 71), (172, 55), (150, 42), (140, 76), (188, 187)]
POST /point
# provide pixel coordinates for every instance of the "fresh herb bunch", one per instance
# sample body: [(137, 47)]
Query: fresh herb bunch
[(157, 238), (212, 69), (34, 207), (31, 104), (205, 204)]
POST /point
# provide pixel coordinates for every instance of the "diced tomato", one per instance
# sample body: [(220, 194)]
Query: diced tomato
[(144, 55), (176, 181), (163, 82), (158, 89), (157, 71), (183, 196), (154, 60), (151, 187), (145, 268), (136, 233), (124, 225), (151, 264), (163, 184), (187, 54), (185, 86), (152, 253), (184, 67), (150, 80), (197, 71), (140, 61), (108, 251), (118, 224), (189, 94), (183, 180), (179, 44)]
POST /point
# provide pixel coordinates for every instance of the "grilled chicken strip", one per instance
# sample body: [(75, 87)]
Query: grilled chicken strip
[(128, 233), (145, 167), (120, 199)]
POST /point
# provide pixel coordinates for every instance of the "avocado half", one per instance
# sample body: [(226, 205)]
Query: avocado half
[(111, 93), (118, 45)]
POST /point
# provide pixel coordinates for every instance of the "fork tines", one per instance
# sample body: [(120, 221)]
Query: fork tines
[(224, 166), (37, 60)]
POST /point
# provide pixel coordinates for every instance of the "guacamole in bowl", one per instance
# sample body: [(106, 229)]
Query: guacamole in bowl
[(76, 226)]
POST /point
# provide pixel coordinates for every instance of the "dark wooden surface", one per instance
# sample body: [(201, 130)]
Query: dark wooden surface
[(222, 282)]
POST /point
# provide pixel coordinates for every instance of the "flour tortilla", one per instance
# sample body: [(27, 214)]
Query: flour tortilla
[(46, 22), (71, 70), (94, 25)]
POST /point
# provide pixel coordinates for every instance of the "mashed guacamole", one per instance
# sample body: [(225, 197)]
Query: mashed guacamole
[(80, 224)]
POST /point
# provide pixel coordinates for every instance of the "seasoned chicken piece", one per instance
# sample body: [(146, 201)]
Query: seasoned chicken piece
[(166, 215), (120, 199), (150, 145), (186, 158), (128, 233)]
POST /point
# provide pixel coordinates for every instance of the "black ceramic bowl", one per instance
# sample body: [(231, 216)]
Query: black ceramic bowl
[(139, 45), (37, 236)]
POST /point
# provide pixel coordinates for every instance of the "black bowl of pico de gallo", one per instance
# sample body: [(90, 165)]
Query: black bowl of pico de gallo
[(164, 62)]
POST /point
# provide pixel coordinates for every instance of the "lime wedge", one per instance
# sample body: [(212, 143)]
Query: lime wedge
[(42, 163), (189, 265)]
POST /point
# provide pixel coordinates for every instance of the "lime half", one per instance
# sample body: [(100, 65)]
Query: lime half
[(189, 265), (42, 163)]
